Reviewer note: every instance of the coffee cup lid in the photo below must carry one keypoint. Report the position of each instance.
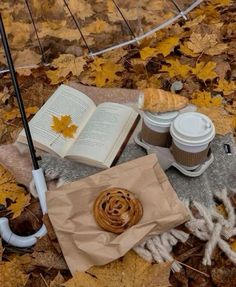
(162, 119)
(192, 128)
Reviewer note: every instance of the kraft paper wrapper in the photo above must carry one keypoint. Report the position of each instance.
(83, 242)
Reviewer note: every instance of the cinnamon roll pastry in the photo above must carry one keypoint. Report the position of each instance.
(117, 209)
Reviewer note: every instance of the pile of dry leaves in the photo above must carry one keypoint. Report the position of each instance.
(196, 58)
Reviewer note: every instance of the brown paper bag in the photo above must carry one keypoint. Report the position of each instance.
(83, 242)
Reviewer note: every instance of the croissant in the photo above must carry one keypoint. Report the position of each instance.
(117, 209)
(160, 101)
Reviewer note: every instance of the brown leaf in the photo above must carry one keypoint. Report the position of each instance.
(29, 221)
(4, 95)
(81, 8)
(26, 58)
(231, 108)
(50, 230)
(1, 250)
(49, 259)
(206, 44)
(51, 234)
(223, 276)
(222, 69)
(57, 281)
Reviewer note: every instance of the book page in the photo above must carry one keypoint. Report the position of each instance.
(101, 132)
(64, 101)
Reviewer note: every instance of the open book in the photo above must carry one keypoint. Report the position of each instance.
(101, 134)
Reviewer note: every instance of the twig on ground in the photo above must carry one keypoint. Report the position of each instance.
(194, 269)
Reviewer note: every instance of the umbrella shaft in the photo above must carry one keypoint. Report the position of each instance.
(18, 94)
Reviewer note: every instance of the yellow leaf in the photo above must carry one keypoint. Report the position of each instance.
(10, 190)
(132, 271)
(233, 245)
(147, 52)
(186, 51)
(176, 68)
(221, 209)
(64, 126)
(205, 71)
(166, 46)
(104, 71)
(226, 87)
(223, 122)
(209, 11)
(20, 203)
(65, 64)
(221, 2)
(31, 111)
(11, 274)
(195, 21)
(204, 99)
(15, 113)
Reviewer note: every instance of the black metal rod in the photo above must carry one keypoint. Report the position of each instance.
(123, 16)
(36, 32)
(176, 6)
(18, 94)
(77, 26)
(179, 9)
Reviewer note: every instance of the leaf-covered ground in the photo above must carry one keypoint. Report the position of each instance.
(197, 58)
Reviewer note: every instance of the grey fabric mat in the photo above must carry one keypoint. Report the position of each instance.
(221, 173)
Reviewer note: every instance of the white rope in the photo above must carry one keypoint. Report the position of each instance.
(158, 248)
(212, 226)
(207, 224)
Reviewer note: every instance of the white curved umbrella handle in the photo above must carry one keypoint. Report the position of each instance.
(27, 241)
(16, 240)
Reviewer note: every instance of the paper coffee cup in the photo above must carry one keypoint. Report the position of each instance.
(192, 134)
(156, 128)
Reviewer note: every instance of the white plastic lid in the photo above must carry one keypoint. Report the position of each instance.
(160, 119)
(192, 128)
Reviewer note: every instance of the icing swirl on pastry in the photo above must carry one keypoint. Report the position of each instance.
(117, 209)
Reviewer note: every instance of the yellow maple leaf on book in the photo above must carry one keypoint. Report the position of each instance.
(64, 126)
